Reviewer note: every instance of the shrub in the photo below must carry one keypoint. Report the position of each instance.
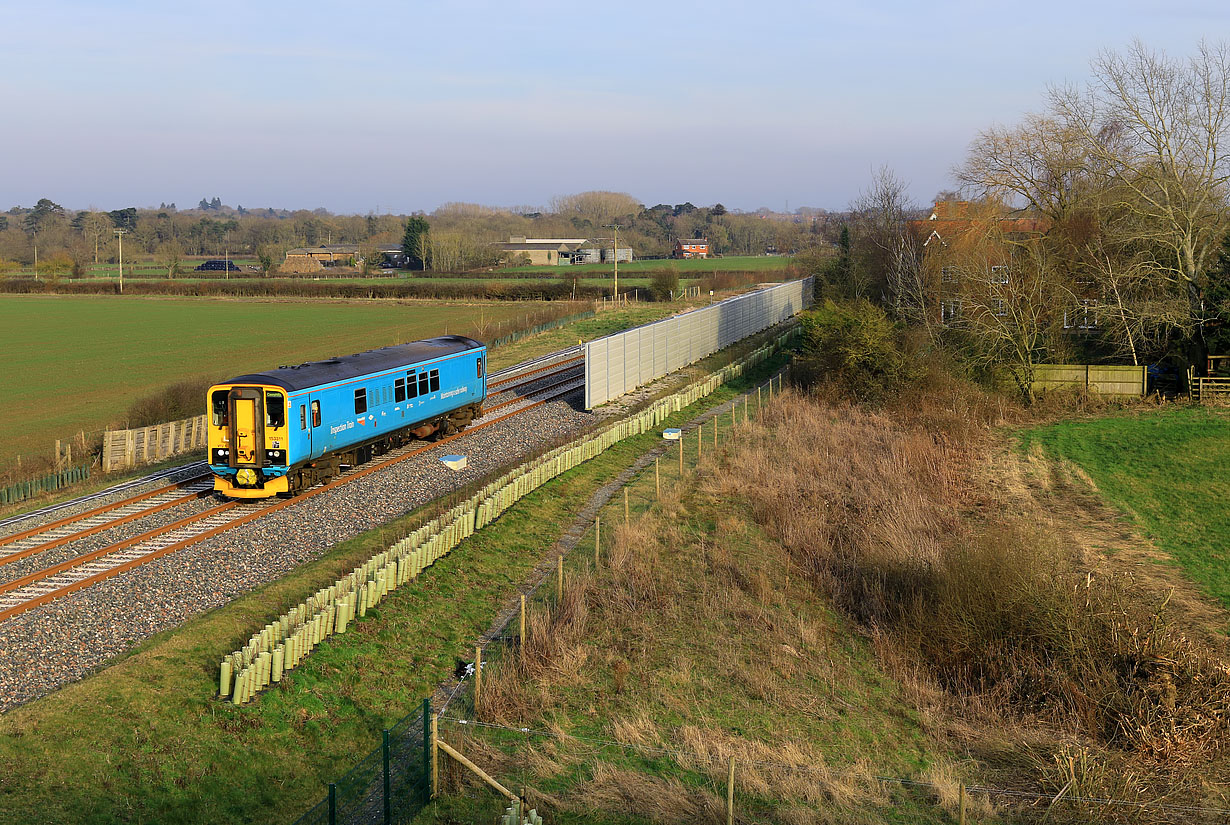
(665, 284)
(855, 346)
(185, 399)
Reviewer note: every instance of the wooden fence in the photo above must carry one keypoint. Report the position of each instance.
(127, 448)
(1092, 378)
(1208, 389)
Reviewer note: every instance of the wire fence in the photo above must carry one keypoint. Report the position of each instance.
(389, 785)
(634, 491)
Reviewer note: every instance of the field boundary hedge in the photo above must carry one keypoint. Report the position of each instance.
(283, 643)
(285, 288)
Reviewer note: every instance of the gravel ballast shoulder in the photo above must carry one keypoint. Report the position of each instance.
(58, 643)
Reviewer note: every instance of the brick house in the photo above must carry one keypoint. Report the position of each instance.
(691, 248)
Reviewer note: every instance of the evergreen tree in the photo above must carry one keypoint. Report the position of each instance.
(412, 242)
(1217, 303)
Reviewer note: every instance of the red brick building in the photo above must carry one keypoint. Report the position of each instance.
(691, 248)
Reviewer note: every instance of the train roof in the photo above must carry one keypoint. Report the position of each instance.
(317, 373)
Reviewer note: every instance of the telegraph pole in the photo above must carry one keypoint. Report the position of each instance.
(615, 249)
(119, 233)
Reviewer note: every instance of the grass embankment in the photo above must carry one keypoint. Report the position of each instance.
(697, 639)
(1167, 469)
(145, 741)
(1054, 673)
(77, 363)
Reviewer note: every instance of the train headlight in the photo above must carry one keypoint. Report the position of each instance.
(246, 478)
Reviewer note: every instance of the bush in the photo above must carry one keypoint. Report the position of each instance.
(665, 285)
(855, 346)
(174, 403)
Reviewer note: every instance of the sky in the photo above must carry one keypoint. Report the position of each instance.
(395, 107)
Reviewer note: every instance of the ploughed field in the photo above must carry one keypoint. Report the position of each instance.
(75, 363)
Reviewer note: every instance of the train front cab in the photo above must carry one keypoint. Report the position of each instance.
(249, 440)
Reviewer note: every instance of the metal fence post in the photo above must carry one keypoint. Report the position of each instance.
(429, 747)
(388, 781)
(332, 803)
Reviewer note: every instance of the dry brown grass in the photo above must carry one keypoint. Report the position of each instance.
(997, 610)
(1066, 673)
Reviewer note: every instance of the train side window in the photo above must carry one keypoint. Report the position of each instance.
(412, 385)
(360, 400)
(303, 416)
(275, 409)
(399, 390)
(423, 384)
(315, 413)
(480, 368)
(435, 380)
(219, 405)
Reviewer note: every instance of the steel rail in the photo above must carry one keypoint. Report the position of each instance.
(491, 385)
(26, 552)
(110, 491)
(533, 361)
(97, 511)
(52, 595)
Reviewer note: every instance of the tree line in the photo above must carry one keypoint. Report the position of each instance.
(1093, 230)
(461, 236)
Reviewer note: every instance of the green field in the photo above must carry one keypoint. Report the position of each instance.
(1167, 469)
(78, 362)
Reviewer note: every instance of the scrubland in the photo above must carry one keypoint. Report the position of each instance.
(849, 596)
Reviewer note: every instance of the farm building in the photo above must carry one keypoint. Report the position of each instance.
(315, 258)
(560, 251)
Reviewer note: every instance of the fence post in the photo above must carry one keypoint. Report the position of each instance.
(332, 803)
(681, 456)
(430, 769)
(522, 646)
(478, 676)
(597, 538)
(388, 780)
(559, 584)
(961, 808)
(730, 794)
(625, 506)
(657, 477)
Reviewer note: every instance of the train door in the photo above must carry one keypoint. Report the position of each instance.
(247, 427)
(305, 432)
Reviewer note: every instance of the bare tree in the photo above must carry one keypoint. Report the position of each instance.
(884, 251)
(1040, 165)
(1007, 302)
(97, 227)
(1160, 128)
(596, 207)
(169, 256)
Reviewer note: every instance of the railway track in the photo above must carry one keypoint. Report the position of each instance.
(56, 581)
(64, 531)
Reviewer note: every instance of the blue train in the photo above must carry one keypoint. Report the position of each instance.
(282, 431)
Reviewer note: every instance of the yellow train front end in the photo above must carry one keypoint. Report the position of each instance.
(249, 440)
